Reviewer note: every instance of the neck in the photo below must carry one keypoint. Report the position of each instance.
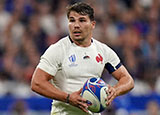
(82, 42)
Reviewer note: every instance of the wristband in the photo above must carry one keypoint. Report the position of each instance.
(67, 99)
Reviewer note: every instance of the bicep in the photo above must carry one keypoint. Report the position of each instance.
(40, 76)
(120, 73)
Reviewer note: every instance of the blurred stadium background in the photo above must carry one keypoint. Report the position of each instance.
(130, 27)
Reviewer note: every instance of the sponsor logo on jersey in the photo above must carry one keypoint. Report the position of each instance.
(86, 57)
(72, 60)
(99, 58)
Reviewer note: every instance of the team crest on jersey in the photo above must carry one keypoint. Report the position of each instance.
(72, 60)
(99, 58)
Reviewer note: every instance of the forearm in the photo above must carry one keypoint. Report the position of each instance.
(48, 90)
(41, 85)
(123, 86)
(125, 81)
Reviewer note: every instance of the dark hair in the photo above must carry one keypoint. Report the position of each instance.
(81, 8)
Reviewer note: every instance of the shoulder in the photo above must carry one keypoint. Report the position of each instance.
(107, 51)
(63, 43)
(58, 48)
(101, 45)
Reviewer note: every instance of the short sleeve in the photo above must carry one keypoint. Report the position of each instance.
(112, 62)
(51, 59)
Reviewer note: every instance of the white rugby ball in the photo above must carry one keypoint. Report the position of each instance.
(94, 91)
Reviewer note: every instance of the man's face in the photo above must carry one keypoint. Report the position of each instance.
(80, 26)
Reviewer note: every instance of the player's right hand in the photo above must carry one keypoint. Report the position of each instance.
(76, 100)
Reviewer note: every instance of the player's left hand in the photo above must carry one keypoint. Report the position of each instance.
(111, 95)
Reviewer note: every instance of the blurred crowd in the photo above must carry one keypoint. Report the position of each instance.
(28, 27)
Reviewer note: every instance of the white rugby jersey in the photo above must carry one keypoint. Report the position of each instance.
(72, 65)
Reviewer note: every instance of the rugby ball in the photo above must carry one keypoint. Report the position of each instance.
(94, 91)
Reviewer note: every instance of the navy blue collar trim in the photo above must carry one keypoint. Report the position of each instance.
(92, 40)
(70, 39)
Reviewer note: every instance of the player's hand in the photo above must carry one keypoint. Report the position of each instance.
(76, 100)
(111, 95)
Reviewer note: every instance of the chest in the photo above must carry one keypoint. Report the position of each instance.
(83, 62)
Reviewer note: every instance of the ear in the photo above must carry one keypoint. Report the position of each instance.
(93, 24)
